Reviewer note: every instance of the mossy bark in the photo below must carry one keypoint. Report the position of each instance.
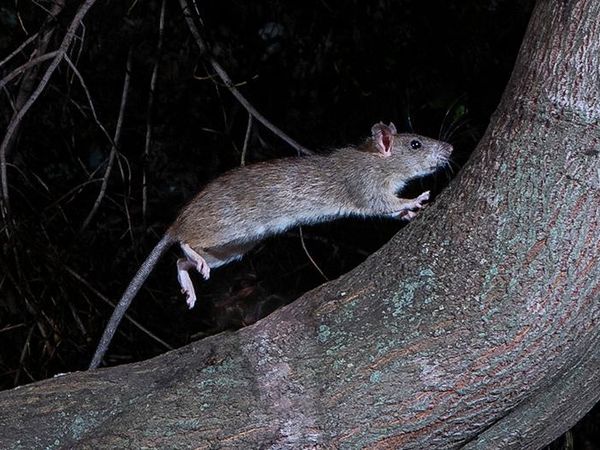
(476, 325)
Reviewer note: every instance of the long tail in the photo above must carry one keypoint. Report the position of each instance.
(128, 296)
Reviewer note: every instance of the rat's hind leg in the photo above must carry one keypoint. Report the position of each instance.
(183, 275)
(203, 261)
(224, 254)
(192, 260)
(200, 263)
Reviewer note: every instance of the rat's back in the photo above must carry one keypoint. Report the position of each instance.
(262, 199)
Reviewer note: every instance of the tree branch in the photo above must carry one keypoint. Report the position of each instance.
(18, 117)
(148, 140)
(116, 139)
(16, 51)
(134, 322)
(230, 85)
(24, 67)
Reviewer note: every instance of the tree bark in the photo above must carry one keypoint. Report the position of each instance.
(476, 326)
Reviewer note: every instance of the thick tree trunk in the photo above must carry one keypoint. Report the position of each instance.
(476, 325)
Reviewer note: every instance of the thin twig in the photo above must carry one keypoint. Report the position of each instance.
(79, 50)
(133, 5)
(129, 221)
(246, 140)
(42, 7)
(19, 70)
(77, 189)
(23, 353)
(107, 301)
(197, 12)
(161, 26)
(78, 320)
(27, 83)
(43, 41)
(16, 120)
(21, 20)
(89, 99)
(10, 100)
(12, 327)
(126, 177)
(231, 86)
(310, 257)
(116, 139)
(19, 49)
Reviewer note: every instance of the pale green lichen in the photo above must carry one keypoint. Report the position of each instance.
(426, 273)
(221, 374)
(405, 296)
(493, 272)
(375, 377)
(383, 348)
(339, 364)
(324, 333)
(78, 428)
(226, 364)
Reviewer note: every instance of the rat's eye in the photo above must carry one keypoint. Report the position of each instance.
(415, 144)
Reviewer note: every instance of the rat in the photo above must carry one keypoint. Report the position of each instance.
(245, 205)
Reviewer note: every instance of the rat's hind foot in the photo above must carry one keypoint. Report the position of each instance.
(201, 265)
(417, 203)
(192, 260)
(187, 288)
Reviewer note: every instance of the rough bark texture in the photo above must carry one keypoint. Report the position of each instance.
(476, 325)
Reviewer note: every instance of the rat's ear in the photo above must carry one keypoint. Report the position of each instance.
(383, 137)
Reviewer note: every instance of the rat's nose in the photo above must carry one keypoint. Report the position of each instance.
(448, 148)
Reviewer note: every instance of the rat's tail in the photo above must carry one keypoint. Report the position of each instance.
(130, 292)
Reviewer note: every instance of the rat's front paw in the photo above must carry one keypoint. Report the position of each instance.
(405, 214)
(411, 208)
(409, 215)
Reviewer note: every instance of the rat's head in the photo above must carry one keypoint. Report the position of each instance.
(417, 154)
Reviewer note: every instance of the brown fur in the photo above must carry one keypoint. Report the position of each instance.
(252, 202)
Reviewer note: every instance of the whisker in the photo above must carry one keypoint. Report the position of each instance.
(455, 126)
(410, 125)
(448, 111)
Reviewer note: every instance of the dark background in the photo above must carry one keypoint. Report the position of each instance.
(323, 71)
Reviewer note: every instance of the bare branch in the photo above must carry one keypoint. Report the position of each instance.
(314, 263)
(15, 122)
(108, 302)
(231, 86)
(89, 99)
(79, 50)
(161, 26)
(246, 139)
(117, 137)
(19, 70)
(19, 49)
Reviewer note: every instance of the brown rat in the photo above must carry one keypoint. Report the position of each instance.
(235, 211)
